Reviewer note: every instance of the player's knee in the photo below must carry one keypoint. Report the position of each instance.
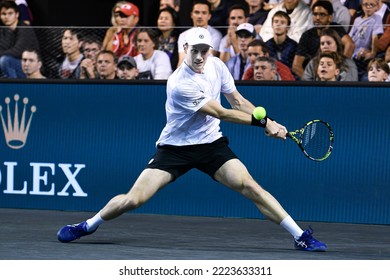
(132, 202)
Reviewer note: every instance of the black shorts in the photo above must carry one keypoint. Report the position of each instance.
(177, 160)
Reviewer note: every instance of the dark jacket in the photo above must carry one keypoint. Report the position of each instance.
(14, 42)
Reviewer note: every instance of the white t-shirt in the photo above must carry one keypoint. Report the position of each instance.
(158, 67)
(187, 92)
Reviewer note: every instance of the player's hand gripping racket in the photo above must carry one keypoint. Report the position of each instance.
(315, 139)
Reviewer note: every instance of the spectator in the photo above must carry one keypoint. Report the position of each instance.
(167, 20)
(32, 64)
(384, 39)
(258, 48)
(264, 69)
(340, 14)
(364, 33)
(175, 4)
(309, 44)
(71, 44)
(106, 64)
(387, 55)
(200, 15)
(15, 37)
(378, 70)
(127, 68)
(328, 67)
(300, 15)
(25, 15)
(353, 6)
(228, 46)
(257, 13)
(87, 68)
(152, 64)
(330, 42)
(240, 62)
(120, 37)
(282, 47)
(219, 12)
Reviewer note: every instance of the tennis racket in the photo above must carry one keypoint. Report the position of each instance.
(315, 139)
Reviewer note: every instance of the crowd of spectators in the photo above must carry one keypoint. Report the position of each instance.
(308, 40)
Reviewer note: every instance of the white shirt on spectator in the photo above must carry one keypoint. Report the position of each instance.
(159, 65)
(301, 21)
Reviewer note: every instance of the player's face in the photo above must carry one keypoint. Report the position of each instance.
(196, 56)
(262, 71)
(327, 69)
(280, 25)
(328, 44)
(377, 74)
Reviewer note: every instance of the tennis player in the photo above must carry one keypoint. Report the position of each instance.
(192, 139)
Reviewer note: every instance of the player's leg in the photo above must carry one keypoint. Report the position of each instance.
(235, 175)
(147, 184)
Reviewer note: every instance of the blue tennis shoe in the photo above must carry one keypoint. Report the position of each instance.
(308, 243)
(72, 232)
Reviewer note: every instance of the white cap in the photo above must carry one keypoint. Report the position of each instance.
(198, 35)
(246, 27)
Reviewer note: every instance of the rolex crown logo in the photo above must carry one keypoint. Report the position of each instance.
(16, 131)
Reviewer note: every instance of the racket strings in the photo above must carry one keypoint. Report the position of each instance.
(316, 140)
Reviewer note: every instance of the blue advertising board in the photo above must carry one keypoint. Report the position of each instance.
(72, 146)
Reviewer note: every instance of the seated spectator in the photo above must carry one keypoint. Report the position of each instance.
(175, 4)
(264, 69)
(167, 20)
(86, 69)
(152, 64)
(353, 6)
(200, 15)
(32, 64)
(340, 14)
(106, 65)
(240, 62)
(25, 15)
(15, 37)
(282, 47)
(387, 55)
(71, 44)
(120, 37)
(257, 13)
(378, 70)
(127, 68)
(328, 67)
(258, 48)
(384, 39)
(309, 44)
(300, 15)
(364, 33)
(228, 47)
(330, 42)
(219, 12)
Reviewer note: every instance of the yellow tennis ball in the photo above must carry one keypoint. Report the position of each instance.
(259, 113)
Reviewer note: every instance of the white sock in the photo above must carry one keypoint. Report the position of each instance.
(291, 226)
(94, 222)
